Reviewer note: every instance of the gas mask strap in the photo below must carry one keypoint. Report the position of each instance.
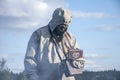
(68, 42)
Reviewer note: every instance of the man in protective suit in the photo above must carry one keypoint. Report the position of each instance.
(42, 61)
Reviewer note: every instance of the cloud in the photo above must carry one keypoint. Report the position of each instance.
(94, 56)
(16, 67)
(14, 61)
(5, 56)
(81, 14)
(92, 62)
(94, 65)
(27, 14)
(108, 27)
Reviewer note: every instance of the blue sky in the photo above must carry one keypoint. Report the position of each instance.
(95, 24)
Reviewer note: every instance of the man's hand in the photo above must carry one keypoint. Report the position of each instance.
(79, 63)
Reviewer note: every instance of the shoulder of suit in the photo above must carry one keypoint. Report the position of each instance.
(43, 31)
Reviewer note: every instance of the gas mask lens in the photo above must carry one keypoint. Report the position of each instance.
(62, 28)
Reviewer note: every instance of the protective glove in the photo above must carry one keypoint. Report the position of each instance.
(79, 63)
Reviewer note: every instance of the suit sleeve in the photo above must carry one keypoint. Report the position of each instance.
(30, 62)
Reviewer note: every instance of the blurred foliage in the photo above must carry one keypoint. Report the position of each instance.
(99, 75)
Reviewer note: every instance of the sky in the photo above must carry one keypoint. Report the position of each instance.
(95, 25)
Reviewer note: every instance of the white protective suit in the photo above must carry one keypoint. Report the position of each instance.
(42, 60)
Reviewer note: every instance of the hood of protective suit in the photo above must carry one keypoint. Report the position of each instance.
(60, 16)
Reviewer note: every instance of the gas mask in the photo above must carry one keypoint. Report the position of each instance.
(59, 31)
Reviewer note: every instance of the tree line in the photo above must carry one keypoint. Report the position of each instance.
(6, 74)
